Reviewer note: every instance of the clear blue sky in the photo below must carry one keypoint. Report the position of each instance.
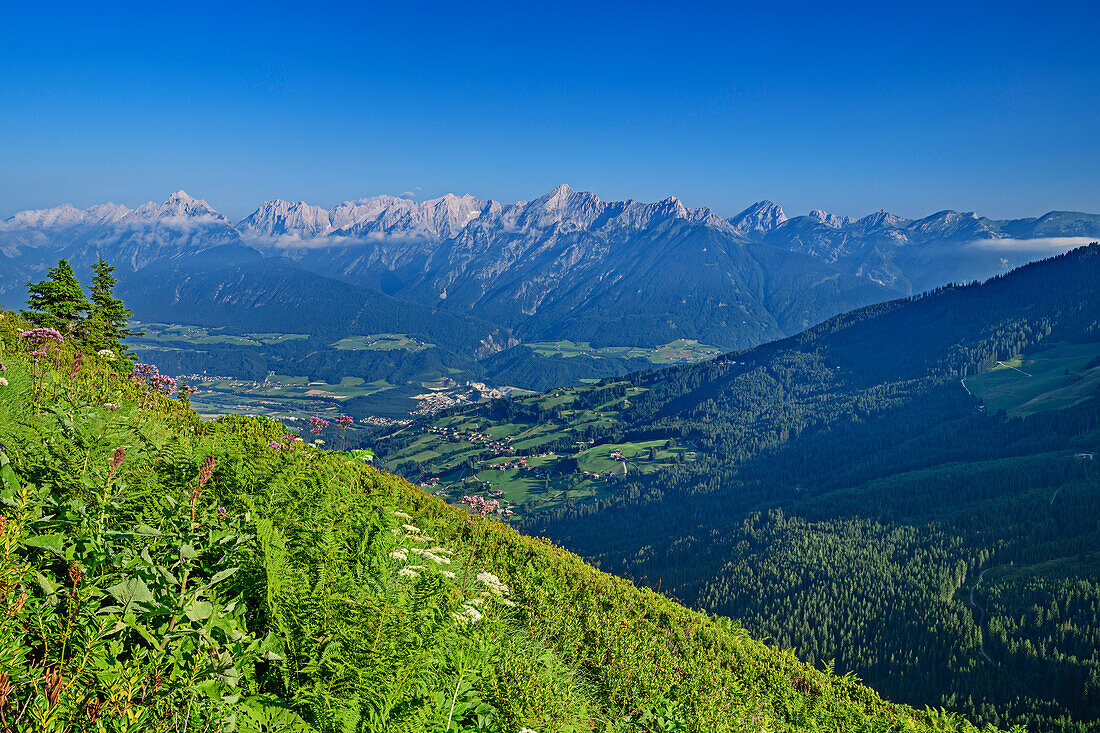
(973, 106)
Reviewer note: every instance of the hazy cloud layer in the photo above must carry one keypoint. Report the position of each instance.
(1046, 244)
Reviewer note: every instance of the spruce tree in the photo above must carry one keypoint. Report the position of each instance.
(58, 301)
(106, 326)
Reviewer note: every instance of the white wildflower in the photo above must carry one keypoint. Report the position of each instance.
(395, 532)
(400, 554)
(429, 555)
(111, 405)
(410, 528)
(441, 550)
(408, 572)
(476, 601)
(527, 730)
(506, 602)
(401, 515)
(493, 583)
(447, 574)
(106, 354)
(318, 442)
(3, 382)
(468, 615)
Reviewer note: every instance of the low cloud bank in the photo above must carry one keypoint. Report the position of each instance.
(325, 241)
(1044, 244)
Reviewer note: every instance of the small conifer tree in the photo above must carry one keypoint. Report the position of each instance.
(107, 325)
(58, 301)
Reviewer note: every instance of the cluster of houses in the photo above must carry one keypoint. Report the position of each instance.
(468, 394)
(497, 447)
(210, 379)
(518, 464)
(383, 422)
(433, 483)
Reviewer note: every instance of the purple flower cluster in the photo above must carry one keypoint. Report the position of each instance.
(317, 424)
(42, 335)
(150, 375)
(275, 444)
(344, 421)
(481, 505)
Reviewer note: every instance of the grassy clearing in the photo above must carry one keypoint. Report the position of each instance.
(160, 333)
(382, 342)
(1056, 377)
(677, 352)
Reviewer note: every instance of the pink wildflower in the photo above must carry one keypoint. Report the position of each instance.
(481, 505)
(151, 376)
(317, 424)
(42, 335)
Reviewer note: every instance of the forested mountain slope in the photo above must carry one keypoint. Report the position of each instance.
(162, 573)
(846, 491)
(851, 492)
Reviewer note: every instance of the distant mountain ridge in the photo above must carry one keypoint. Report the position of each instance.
(566, 264)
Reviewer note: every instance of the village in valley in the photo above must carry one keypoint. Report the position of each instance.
(530, 452)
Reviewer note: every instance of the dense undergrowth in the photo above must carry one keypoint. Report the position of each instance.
(158, 572)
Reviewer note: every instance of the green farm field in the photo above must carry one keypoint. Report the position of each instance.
(681, 351)
(382, 342)
(159, 333)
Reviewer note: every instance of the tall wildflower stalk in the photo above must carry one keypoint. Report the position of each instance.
(481, 507)
(344, 422)
(40, 340)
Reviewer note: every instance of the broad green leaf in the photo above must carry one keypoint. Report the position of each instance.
(9, 483)
(47, 541)
(132, 590)
(222, 575)
(49, 587)
(199, 610)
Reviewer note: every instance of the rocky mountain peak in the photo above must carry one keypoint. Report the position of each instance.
(179, 205)
(758, 219)
(833, 220)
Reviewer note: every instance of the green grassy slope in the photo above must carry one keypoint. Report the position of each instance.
(161, 573)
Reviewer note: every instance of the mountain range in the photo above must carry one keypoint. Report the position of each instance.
(565, 265)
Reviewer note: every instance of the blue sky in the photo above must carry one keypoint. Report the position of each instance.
(972, 106)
